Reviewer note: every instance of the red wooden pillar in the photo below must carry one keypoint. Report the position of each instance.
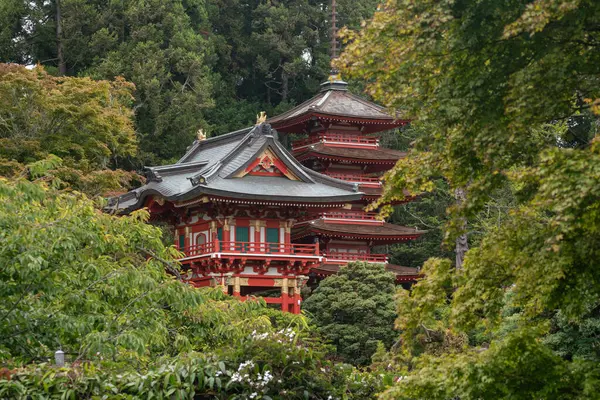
(236, 286)
(297, 299)
(226, 235)
(285, 297)
(288, 232)
(188, 242)
(257, 244)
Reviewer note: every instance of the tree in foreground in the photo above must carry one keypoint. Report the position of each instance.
(87, 123)
(96, 287)
(509, 90)
(354, 310)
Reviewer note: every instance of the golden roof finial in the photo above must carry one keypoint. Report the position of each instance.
(200, 135)
(261, 118)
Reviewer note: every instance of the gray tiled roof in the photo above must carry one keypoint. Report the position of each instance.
(375, 232)
(335, 100)
(209, 168)
(371, 154)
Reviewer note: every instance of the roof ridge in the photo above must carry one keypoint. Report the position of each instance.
(339, 183)
(176, 166)
(280, 151)
(368, 103)
(285, 113)
(213, 169)
(197, 144)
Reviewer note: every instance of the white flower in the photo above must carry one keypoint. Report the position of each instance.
(253, 395)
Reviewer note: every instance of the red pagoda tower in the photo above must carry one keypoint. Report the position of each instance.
(341, 142)
(231, 202)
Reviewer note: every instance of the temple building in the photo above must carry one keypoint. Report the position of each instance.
(253, 218)
(341, 143)
(232, 201)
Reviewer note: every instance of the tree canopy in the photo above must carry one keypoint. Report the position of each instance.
(195, 65)
(354, 310)
(96, 286)
(508, 91)
(86, 123)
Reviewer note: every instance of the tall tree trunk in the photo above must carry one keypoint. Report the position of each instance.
(462, 243)
(62, 66)
(284, 86)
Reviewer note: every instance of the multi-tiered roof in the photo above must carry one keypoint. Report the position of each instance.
(248, 166)
(341, 143)
(232, 201)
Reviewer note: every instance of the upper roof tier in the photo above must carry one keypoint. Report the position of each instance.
(246, 165)
(336, 104)
(379, 155)
(377, 233)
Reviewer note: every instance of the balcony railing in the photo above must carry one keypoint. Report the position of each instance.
(349, 217)
(337, 139)
(345, 257)
(371, 181)
(251, 248)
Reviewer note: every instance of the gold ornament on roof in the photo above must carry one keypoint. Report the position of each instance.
(261, 118)
(200, 135)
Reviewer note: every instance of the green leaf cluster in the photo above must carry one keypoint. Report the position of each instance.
(354, 310)
(508, 92)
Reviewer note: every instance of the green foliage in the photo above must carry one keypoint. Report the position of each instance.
(75, 278)
(427, 213)
(88, 124)
(531, 371)
(195, 64)
(448, 66)
(193, 375)
(508, 92)
(95, 285)
(354, 310)
(161, 47)
(575, 339)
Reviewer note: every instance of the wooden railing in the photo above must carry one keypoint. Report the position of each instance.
(370, 180)
(346, 217)
(251, 248)
(363, 216)
(375, 258)
(337, 138)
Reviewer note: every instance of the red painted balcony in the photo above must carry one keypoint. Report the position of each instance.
(368, 181)
(337, 140)
(352, 217)
(219, 248)
(342, 258)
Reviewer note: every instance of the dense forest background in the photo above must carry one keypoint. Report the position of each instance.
(502, 152)
(210, 65)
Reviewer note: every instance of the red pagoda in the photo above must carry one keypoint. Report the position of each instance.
(232, 201)
(341, 143)
(256, 220)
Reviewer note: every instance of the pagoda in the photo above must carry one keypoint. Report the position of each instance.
(340, 141)
(231, 202)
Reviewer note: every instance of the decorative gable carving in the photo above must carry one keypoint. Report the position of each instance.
(267, 164)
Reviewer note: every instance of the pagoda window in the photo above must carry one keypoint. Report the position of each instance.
(220, 238)
(181, 242)
(242, 236)
(273, 237)
(201, 239)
